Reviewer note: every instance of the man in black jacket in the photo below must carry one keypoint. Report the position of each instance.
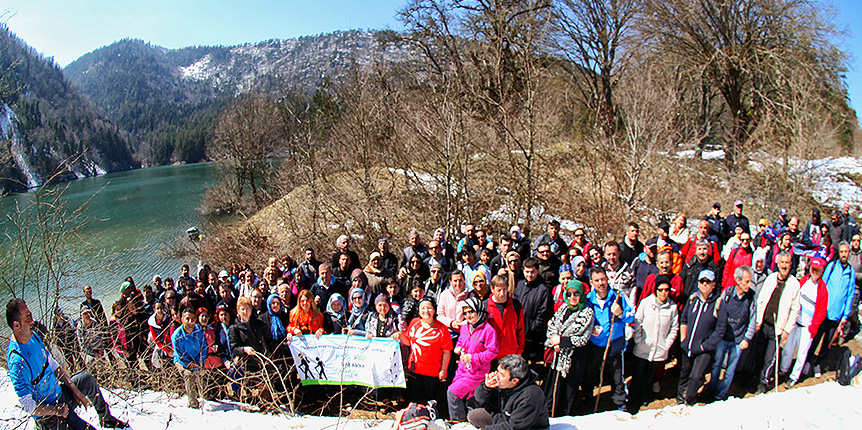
(536, 298)
(510, 399)
(700, 262)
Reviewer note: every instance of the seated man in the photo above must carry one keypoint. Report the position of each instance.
(190, 351)
(37, 378)
(510, 398)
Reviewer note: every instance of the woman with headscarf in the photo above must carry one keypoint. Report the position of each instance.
(305, 318)
(376, 273)
(358, 312)
(481, 289)
(384, 322)
(568, 332)
(477, 346)
(276, 320)
(335, 320)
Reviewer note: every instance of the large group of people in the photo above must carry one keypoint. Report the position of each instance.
(480, 319)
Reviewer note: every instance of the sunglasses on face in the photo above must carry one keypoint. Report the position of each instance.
(512, 261)
(573, 294)
(662, 290)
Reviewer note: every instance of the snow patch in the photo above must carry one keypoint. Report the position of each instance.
(10, 131)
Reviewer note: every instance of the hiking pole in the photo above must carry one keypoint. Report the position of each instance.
(556, 383)
(605, 358)
(777, 343)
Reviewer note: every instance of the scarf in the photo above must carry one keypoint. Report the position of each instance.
(335, 297)
(576, 285)
(275, 327)
(478, 306)
(356, 311)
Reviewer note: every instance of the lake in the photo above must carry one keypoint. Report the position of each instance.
(133, 215)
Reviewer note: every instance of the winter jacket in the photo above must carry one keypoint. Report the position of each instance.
(692, 270)
(377, 328)
(628, 253)
(788, 304)
(656, 327)
(733, 221)
(741, 315)
(481, 344)
(248, 334)
(160, 334)
(522, 407)
(738, 257)
(812, 310)
(189, 347)
(855, 260)
(216, 353)
(704, 329)
(841, 282)
(676, 290)
(602, 313)
(641, 269)
(278, 347)
(448, 310)
(574, 329)
(690, 248)
(536, 300)
(509, 326)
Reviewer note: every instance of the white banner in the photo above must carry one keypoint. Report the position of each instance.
(340, 359)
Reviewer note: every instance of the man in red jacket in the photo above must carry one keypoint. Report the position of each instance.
(507, 317)
(688, 250)
(814, 300)
(663, 262)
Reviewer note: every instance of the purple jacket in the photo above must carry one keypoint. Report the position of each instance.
(483, 347)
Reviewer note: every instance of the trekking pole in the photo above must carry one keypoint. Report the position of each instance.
(777, 344)
(556, 383)
(604, 359)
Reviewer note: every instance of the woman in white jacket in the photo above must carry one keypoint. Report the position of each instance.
(656, 328)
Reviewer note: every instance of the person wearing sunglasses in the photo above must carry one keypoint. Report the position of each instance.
(656, 328)
(568, 334)
(477, 346)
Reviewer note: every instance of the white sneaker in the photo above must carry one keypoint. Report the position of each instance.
(656, 387)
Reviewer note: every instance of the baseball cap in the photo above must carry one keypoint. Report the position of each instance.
(706, 274)
(817, 263)
(737, 203)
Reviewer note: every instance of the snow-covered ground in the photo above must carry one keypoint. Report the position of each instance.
(824, 406)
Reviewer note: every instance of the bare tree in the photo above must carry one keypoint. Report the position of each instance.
(247, 135)
(744, 50)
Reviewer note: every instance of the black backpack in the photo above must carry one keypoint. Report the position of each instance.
(848, 367)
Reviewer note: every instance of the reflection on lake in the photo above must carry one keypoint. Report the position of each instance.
(132, 216)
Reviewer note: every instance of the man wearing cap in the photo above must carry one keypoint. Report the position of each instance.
(553, 239)
(738, 309)
(813, 301)
(777, 312)
(717, 223)
(781, 223)
(700, 330)
(760, 239)
(840, 278)
(389, 260)
(737, 218)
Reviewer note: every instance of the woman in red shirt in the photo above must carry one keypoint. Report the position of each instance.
(430, 351)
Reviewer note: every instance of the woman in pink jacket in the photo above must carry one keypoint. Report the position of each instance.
(477, 346)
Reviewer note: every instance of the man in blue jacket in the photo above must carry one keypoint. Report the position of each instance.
(840, 278)
(190, 347)
(44, 389)
(700, 330)
(611, 309)
(738, 309)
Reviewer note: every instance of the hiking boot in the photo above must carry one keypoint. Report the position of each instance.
(817, 372)
(111, 422)
(656, 387)
(762, 388)
(789, 384)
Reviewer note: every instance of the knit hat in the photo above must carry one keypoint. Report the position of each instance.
(382, 298)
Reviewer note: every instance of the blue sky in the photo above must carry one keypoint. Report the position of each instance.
(66, 29)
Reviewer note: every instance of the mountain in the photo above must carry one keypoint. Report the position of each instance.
(49, 129)
(168, 99)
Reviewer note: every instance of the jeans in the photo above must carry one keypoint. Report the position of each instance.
(732, 350)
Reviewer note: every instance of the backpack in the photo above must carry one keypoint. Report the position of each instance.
(415, 417)
(848, 367)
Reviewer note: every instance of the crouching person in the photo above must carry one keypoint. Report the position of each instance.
(190, 351)
(510, 399)
(43, 387)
